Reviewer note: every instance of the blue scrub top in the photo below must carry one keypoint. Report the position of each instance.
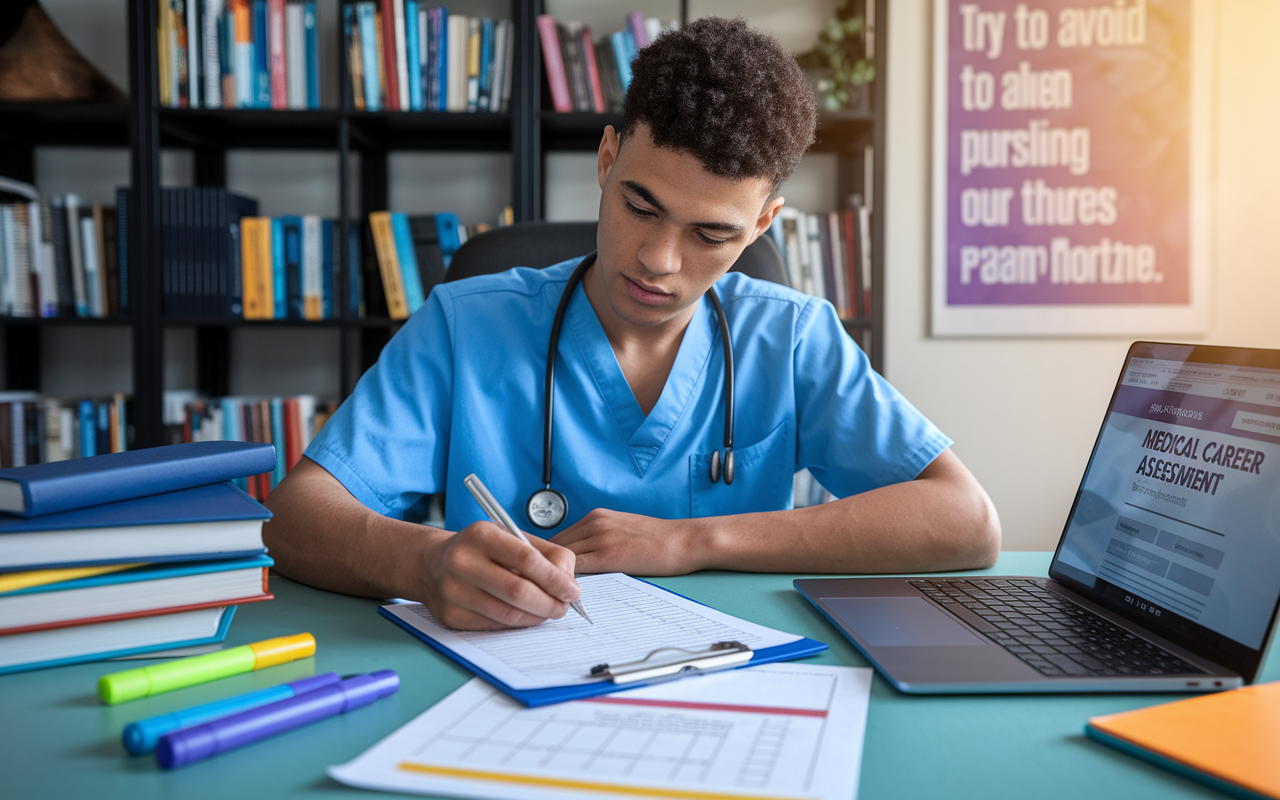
(459, 389)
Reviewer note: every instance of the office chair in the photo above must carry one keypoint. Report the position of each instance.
(541, 244)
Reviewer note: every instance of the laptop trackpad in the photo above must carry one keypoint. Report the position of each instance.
(899, 621)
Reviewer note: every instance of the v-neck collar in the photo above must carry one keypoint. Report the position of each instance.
(644, 435)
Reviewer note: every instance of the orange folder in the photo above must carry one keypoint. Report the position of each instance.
(1230, 740)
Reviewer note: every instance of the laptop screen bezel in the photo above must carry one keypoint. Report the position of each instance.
(1202, 641)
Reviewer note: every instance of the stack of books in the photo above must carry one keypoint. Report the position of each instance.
(238, 54)
(129, 553)
(403, 56)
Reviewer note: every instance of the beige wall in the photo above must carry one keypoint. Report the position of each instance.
(1024, 412)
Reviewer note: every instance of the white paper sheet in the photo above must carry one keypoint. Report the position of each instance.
(772, 731)
(631, 619)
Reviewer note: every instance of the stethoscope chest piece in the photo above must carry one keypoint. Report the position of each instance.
(546, 508)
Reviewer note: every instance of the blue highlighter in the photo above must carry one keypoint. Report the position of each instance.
(142, 736)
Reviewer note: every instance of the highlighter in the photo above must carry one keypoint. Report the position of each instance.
(203, 741)
(133, 684)
(142, 736)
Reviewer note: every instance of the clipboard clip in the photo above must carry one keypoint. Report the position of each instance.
(720, 655)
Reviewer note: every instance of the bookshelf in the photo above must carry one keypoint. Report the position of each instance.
(528, 132)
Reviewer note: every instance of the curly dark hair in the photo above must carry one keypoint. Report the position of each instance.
(728, 95)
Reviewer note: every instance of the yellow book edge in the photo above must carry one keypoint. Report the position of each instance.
(384, 244)
(1232, 737)
(14, 581)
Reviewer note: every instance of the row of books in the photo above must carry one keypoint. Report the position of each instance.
(40, 430)
(585, 74)
(147, 552)
(403, 56)
(60, 256)
(828, 255)
(288, 423)
(238, 54)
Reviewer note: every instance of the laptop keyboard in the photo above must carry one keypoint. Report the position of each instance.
(1049, 632)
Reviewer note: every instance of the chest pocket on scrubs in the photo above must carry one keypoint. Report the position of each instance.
(762, 481)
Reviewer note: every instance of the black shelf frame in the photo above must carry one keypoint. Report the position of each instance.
(528, 131)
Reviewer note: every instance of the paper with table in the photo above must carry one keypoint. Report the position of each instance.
(773, 731)
(551, 662)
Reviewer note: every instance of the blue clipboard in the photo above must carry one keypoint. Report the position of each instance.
(534, 698)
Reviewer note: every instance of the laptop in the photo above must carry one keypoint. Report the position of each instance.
(1167, 575)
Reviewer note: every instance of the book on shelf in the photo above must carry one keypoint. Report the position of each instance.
(402, 55)
(238, 54)
(828, 256)
(59, 256)
(37, 430)
(413, 252)
(288, 423)
(587, 74)
(144, 590)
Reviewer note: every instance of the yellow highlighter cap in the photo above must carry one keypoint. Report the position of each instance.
(127, 685)
(282, 650)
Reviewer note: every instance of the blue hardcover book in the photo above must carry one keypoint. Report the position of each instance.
(88, 429)
(312, 36)
(408, 262)
(41, 489)
(103, 416)
(278, 284)
(439, 69)
(447, 226)
(624, 49)
(261, 56)
(369, 55)
(413, 54)
(534, 698)
(204, 522)
(355, 279)
(328, 257)
(291, 230)
(277, 437)
(127, 637)
(483, 102)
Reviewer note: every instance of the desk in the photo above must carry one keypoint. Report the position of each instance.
(57, 740)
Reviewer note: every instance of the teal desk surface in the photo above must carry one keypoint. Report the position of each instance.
(57, 740)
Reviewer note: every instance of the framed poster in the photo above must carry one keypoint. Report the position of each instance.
(1070, 167)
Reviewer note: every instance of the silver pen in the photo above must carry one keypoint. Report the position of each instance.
(499, 515)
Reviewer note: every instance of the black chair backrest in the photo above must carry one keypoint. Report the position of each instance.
(541, 244)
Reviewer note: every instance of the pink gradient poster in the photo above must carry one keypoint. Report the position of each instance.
(1068, 183)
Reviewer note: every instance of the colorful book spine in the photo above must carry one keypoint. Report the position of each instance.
(388, 264)
(279, 283)
(311, 33)
(369, 54)
(413, 56)
(408, 261)
(553, 59)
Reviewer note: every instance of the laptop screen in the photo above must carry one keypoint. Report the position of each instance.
(1177, 521)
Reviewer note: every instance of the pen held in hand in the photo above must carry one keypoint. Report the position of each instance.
(499, 515)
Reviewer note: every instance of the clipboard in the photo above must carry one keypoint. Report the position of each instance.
(534, 698)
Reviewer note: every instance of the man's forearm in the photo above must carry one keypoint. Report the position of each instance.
(943, 520)
(324, 537)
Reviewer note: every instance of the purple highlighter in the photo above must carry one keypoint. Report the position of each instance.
(202, 741)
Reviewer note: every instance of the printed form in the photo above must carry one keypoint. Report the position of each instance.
(772, 732)
(632, 618)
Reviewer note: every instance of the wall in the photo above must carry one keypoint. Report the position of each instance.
(1025, 412)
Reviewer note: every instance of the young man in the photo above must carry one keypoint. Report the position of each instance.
(717, 117)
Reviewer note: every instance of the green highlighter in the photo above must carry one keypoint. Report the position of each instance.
(133, 684)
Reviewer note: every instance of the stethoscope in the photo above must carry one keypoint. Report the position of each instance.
(547, 507)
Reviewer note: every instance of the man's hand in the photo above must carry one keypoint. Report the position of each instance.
(469, 583)
(614, 541)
